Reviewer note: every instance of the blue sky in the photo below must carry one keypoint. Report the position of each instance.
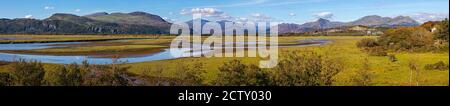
(293, 11)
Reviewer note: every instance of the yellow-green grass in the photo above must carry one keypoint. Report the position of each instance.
(100, 51)
(385, 73)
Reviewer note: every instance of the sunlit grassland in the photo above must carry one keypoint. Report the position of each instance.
(384, 72)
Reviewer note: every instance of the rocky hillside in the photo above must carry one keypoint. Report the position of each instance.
(370, 21)
(99, 23)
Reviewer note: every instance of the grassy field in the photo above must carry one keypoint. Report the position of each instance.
(384, 72)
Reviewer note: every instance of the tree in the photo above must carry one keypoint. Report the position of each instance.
(442, 30)
(408, 38)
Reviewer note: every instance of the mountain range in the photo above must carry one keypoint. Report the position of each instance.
(97, 23)
(370, 21)
(146, 23)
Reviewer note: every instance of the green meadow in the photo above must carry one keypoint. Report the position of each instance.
(383, 72)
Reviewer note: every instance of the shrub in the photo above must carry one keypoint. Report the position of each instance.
(108, 75)
(367, 42)
(55, 76)
(408, 38)
(192, 74)
(5, 79)
(67, 75)
(305, 69)
(437, 66)
(377, 51)
(235, 73)
(442, 31)
(27, 73)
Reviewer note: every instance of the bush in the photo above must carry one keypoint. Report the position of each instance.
(367, 42)
(408, 38)
(442, 31)
(192, 74)
(27, 73)
(108, 75)
(235, 73)
(377, 51)
(55, 76)
(5, 79)
(67, 75)
(437, 66)
(305, 69)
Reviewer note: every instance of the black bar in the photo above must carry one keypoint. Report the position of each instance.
(279, 95)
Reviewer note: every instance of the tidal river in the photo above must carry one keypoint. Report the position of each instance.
(163, 55)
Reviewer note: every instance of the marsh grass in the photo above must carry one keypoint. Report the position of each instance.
(384, 72)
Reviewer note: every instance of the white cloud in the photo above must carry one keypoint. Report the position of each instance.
(28, 16)
(49, 7)
(259, 17)
(324, 15)
(292, 14)
(216, 14)
(207, 12)
(291, 2)
(168, 19)
(425, 17)
(77, 10)
(240, 4)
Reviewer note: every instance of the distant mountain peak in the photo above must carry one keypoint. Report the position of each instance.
(372, 16)
(64, 16)
(133, 18)
(139, 13)
(322, 20)
(402, 17)
(378, 21)
(97, 14)
(370, 21)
